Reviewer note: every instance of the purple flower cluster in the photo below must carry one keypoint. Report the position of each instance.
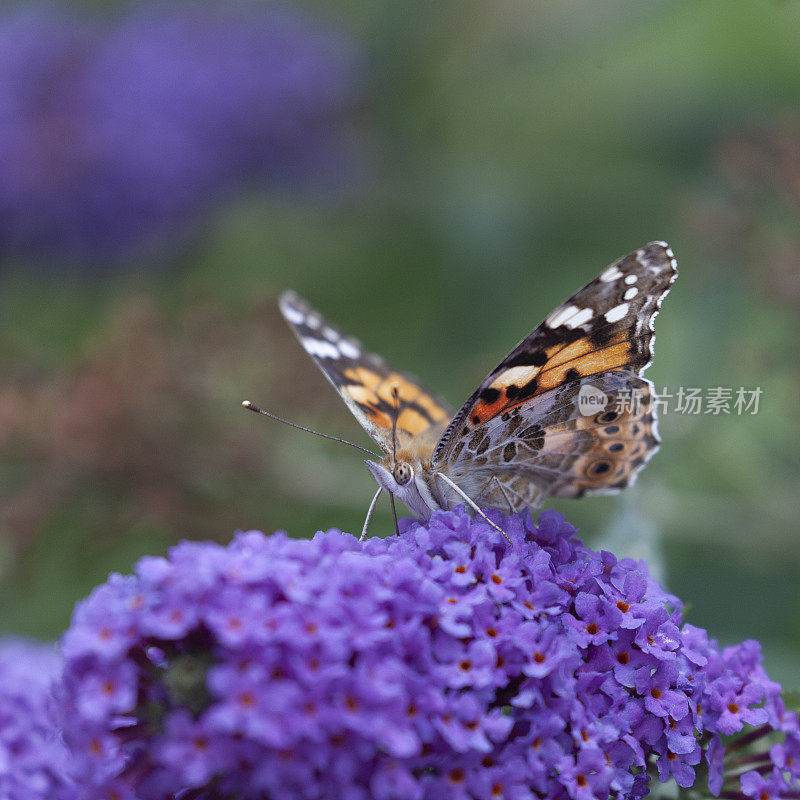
(116, 136)
(438, 664)
(32, 757)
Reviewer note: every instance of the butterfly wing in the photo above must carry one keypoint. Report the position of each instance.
(603, 337)
(557, 444)
(364, 381)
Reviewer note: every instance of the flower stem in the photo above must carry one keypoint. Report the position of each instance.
(748, 738)
(748, 758)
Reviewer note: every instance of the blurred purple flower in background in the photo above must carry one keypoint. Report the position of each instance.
(117, 135)
(33, 758)
(437, 664)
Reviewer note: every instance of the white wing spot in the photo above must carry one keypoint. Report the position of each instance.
(514, 376)
(313, 321)
(582, 316)
(631, 293)
(559, 317)
(293, 315)
(617, 313)
(330, 334)
(320, 348)
(629, 279)
(348, 349)
(611, 274)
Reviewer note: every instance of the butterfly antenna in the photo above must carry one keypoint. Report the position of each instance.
(472, 503)
(253, 407)
(396, 395)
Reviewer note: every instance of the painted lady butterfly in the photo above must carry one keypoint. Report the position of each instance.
(525, 433)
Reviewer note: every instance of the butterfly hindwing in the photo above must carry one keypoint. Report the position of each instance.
(556, 445)
(607, 325)
(364, 381)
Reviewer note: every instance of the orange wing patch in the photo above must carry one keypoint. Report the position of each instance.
(375, 396)
(561, 364)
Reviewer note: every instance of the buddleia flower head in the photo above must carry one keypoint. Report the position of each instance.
(440, 663)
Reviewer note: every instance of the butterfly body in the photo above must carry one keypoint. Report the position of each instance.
(547, 421)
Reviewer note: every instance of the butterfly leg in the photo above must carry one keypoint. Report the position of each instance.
(394, 514)
(504, 493)
(369, 514)
(472, 503)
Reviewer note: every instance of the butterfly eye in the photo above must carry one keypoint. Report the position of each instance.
(402, 473)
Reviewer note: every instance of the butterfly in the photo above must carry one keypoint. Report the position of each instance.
(566, 413)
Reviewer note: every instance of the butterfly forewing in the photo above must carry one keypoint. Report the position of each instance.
(364, 381)
(607, 325)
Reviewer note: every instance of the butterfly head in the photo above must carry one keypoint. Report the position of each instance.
(405, 479)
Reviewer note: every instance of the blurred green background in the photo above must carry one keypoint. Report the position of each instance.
(491, 158)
